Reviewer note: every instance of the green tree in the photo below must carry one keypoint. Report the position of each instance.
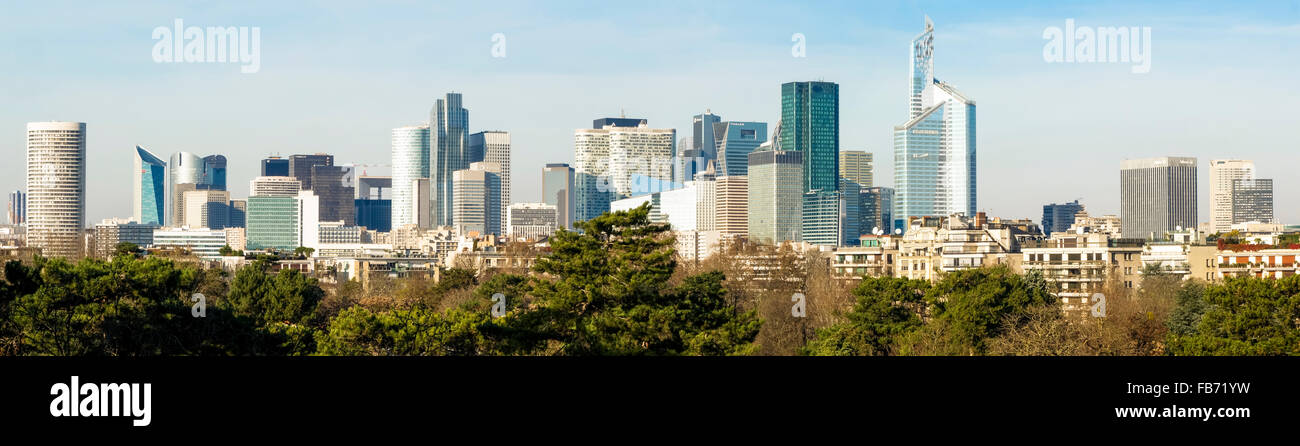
(1246, 316)
(286, 297)
(886, 308)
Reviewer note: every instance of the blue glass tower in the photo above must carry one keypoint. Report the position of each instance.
(149, 187)
(810, 120)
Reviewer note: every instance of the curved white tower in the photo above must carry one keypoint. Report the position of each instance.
(56, 187)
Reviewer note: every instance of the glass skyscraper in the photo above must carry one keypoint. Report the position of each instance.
(736, 139)
(410, 163)
(148, 188)
(275, 167)
(934, 152)
(557, 190)
(449, 149)
(775, 196)
(810, 116)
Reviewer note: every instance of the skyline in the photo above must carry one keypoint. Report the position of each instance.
(341, 90)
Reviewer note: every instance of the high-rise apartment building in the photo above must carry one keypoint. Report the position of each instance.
(557, 190)
(148, 187)
(56, 187)
(1222, 175)
(1157, 195)
(855, 166)
(775, 196)
(1252, 200)
(494, 147)
(934, 151)
(810, 120)
(410, 163)
(477, 194)
(449, 152)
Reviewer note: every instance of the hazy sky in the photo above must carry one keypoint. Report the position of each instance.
(336, 77)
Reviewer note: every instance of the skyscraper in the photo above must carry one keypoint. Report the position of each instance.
(56, 187)
(1157, 195)
(557, 190)
(335, 187)
(448, 147)
(1059, 217)
(214, 172)
(1252, 200)
(274, 166)
(283, 223)
(206, 209)
(877, 209)
(775, 196)
(494, 147)
(615, 162)
(703, 146)
(827, 220)
(410, 163)
(300, 167)
(855, 166)
(17, 207)
(934, 151)
(277, 186)
(1222, 174)
(731, 205)
(810, 116)
(477, 194)
(148, 188)
(736, 139)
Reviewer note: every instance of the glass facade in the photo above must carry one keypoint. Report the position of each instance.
(557, 190)
(150, 187)
(810, 115)
(275, 167)
(736, 139)
(272, 223)
(775, 196)
(374, 214)
(449, 145)
(335, 187)
(410, 163)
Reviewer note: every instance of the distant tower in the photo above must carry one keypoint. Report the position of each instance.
(56, 187)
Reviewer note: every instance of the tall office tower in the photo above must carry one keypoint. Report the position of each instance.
(274, 166)
(206, 209)
(274, 187)
(1059, 217)
(706, 200)
(335, 187)
(1222, 174)
(421, 204)
(410, 162)
(775, 198)
(238, 214)
(731, 205)
(703, 145)
(557, 190)
(531, 221)
(214, 172)
(1252, 200)
(735, 140)
(934, 151)
(184, 173)
(878, 209)
(824, 218)
(810, 115)
(1157, 195)
(300, 167)
(618, 122)
(494, 147)
(283, 223)
(448, 146)
(851, 210)
(17, 207)
(148, 187)
(615, 162)
(855, 166)
(56, 187)
(477, 194)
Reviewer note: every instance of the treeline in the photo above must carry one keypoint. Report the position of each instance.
(616, 288)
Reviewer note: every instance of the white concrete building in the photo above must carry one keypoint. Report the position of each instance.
(56, 187)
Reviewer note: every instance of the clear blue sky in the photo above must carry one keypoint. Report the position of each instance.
(336, 77)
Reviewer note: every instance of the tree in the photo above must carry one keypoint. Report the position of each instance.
(605, 291)
(1245, 316)
(886, 309)
(286, 297)
(969, 307)
(127, 249)
(303, 252)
